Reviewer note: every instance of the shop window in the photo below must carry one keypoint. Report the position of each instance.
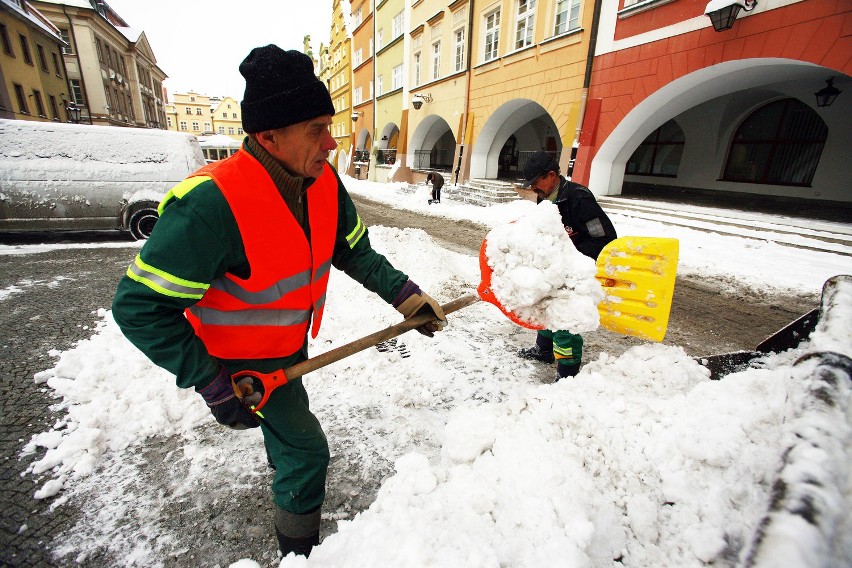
(779, 144)
(659, 154)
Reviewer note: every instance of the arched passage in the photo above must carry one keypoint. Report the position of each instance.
(432, 145)
(526, 126)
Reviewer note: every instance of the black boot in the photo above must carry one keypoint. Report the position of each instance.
(297, 533)
(563, 371)
(299, 546)
(541, 351)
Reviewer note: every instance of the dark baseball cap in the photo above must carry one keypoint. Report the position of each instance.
(537, 165)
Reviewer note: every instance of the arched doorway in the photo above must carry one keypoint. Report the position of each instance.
(531, 126)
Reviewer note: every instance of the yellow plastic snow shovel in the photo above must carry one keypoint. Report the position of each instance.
(637, 274)
(638, 278)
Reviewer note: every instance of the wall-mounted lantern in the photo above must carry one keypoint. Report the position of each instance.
(722, 13)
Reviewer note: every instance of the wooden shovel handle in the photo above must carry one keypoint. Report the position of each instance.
(368, 341)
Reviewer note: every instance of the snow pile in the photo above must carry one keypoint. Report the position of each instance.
(113, 398)
(641, 460)
(540, 276)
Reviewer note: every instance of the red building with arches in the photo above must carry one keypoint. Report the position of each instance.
(675, 106)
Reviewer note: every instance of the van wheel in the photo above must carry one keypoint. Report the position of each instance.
(142, 222)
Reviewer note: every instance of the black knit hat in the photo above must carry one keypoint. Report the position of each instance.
(281, 89)
(538, 164)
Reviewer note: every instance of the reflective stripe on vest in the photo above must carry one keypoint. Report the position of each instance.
(267, 314)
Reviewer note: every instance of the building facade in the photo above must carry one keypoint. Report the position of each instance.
(645, 94)
(33, 82)
(112, 73)
(361, 85)
(676, 106)
(227, 118)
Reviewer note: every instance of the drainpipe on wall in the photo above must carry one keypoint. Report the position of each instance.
(467, 87)
(587, 78)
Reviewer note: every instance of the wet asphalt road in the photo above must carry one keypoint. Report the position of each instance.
(60, 293)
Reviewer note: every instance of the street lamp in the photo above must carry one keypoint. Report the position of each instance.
(827, 94)
(418, 100)
(73, 112)
(722, 13)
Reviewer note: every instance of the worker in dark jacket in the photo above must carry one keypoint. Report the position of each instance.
(236, 273)
(437, 181)
(590, 230)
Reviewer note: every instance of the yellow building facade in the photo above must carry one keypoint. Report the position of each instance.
(33, 83)
(528, 64)
(391, 88)
(227, 118)
(337, 74)
(468, 88)
(193, 113)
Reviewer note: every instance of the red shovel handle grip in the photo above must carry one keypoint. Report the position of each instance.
(268, 381)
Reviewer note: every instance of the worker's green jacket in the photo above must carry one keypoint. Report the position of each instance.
(196, 240)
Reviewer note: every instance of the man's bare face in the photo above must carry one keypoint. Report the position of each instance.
(303, 147)
(544, 185)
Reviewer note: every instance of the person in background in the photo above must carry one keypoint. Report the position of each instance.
(590, 230)
(437, 181)
(236, 271)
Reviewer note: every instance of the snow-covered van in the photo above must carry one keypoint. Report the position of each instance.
(57, 176)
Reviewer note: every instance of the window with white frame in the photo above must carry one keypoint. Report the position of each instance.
(357, 96)
(357, 58)
(396, 26)
(380, 38)
(357, 18)
(459, 49)
(195, 126)
(436, 60)
(492, 35)
(182, 125)
(416, 66)
(397, 77)
(524, 23)
(567, 16)
(371, 88)
(380, 85)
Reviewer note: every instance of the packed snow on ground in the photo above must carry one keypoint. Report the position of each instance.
(640, 460)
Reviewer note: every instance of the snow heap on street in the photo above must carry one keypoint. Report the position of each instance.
(641, 460)
(540, 276)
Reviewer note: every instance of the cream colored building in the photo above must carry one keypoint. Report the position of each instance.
(32, 82)
(439, 80)
(391, 89)
(112, 71)
(193, 113)
(228, 118)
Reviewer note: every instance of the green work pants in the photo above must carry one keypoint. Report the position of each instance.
(567, 346)
(297, 447)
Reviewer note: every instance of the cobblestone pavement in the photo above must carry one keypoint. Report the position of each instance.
(60, 293)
